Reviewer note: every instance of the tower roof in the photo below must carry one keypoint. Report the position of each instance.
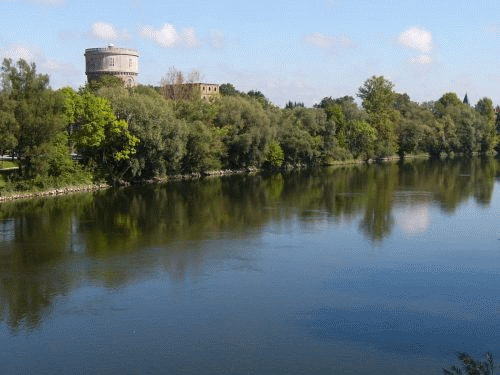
(466, 99)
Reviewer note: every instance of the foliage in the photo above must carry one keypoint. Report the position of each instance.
(100, 138)
(133, 134)
(31, 120)
(470, 366)
(292, 105)
(104, 81)
(274, 155)
(248, 131)
(204, 148)
(378, 99)
(175, 87)
(227, 89)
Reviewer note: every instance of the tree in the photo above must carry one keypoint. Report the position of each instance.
(378, 98)
(297, 134)
(448, 100)
(361, 139)
(106, 80)
(162, 136)
(9, 127)
(248, 130)
(486, 125)
(377, 95)
(30, 115)
(472, 367)
(21, 81)
(203, 148)
(274, 155)
(292, 105)
(100, 138)
(259, 97)
(176, 88)
(227, 89)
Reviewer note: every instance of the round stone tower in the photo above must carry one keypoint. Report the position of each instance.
(119, 62)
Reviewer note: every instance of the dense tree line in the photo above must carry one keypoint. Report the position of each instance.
(130, 134)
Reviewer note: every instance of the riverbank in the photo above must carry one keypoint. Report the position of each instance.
(9, 196)
(51, 192)
(191, 176)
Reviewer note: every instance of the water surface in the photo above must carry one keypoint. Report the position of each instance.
(380, 269)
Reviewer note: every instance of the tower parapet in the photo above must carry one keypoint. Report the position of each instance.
(111, 60)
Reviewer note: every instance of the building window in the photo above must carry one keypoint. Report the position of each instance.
(130, 63)
(111, 61)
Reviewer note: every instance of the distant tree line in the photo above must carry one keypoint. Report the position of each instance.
(131, 134)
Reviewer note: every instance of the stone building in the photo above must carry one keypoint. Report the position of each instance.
(208, 89)
(119, 62)
(186, 91)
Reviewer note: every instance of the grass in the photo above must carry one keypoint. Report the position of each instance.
(6, 164)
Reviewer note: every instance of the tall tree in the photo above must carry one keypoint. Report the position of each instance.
(32, 111)
(99, 136)
(378, 97)
(486, 125)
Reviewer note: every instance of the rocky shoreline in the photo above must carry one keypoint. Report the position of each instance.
(191, 176)
(95, 187)
(53, 192)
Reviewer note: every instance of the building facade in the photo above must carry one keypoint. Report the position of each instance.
(208, 90)
(118, 62)
(189, 91)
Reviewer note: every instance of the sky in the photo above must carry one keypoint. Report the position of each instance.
(290, 50)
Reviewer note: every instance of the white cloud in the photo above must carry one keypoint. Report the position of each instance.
(165, 37)
(168, 37)
(417, 38)
(422, 59)
(68, 36)
(279, 90)
(60, 73)
(189, 38)
(330, 3)
(106, 31)
(50, 3)
(493, 28)
(328, 42)
(416, 220)
(17, 51)
(216, 39)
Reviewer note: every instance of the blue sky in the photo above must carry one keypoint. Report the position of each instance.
(293, 50)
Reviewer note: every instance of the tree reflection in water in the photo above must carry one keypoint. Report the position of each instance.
(44, 244)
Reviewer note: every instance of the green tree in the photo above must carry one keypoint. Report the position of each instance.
(248, 130)
(203, 148)
(100, 138)
(227, 89)
(152, 119)
(9, 127)
(30, 115)
(470, 366)
(486, 125)
(104, 81)
(291, 105)
(378, 97)
(361, 138)
(274, 155)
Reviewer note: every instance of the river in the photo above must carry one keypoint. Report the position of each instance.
(379, 269)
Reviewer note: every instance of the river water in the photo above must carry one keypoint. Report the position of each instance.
(373, 269)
